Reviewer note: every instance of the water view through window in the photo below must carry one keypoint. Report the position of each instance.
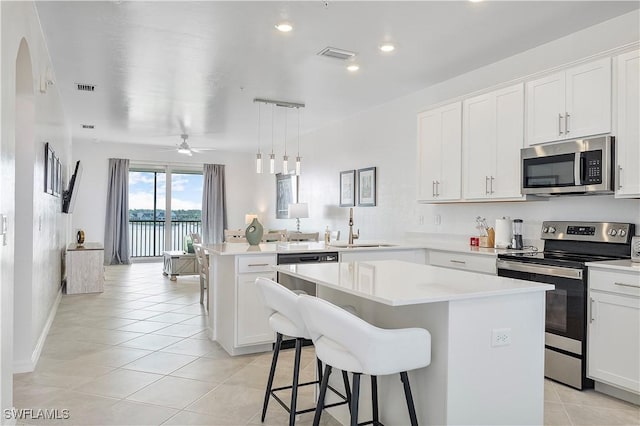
(151, 230)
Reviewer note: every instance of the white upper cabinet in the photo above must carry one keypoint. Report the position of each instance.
(493, 134)
(628, 126)
(570, 104)
(439, 153)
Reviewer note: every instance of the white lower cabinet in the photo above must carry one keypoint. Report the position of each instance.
(613, 342)
(469, 262)
(413, 256)
(252, 317)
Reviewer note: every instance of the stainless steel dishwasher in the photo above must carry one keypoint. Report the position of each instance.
(293, 283)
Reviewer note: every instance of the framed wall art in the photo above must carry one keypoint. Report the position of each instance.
(49, 169)
(348, 188)
(367, 187)
(286, 193)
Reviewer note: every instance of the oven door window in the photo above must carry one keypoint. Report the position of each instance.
(565, 305)
(549, 172)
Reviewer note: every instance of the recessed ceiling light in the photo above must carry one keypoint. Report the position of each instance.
(284, 27)
(387, 47)
(353, 67)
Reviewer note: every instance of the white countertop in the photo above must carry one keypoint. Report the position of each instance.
(233, 249)
(625, 265)
(398, 283)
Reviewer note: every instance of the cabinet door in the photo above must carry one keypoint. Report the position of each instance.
(479, 130)
(509, 139)
(252, 317)
(588, 109)
(545, 109)
(614, 340)
(628, 125)
(429, 153)
(448, 187)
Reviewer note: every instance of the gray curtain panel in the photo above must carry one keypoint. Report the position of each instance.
(214, 204)
(116, 228)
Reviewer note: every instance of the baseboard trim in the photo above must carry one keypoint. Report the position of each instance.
(27, 366)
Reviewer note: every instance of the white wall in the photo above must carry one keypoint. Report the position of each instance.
(90, 208)
(385, 137)
(42, 224)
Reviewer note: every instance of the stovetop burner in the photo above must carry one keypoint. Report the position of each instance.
(572, 244)
(569, 260)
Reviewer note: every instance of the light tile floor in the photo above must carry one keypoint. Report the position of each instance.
(139, 354)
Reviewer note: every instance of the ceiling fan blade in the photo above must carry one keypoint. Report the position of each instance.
(203, 149)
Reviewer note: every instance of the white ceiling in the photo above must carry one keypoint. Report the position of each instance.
(164, 68)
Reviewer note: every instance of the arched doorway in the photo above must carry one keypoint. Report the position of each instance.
(24, 220)
(23, 145)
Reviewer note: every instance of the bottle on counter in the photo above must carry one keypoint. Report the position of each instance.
(327, 235)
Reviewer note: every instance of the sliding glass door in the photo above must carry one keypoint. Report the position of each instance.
(151, 229)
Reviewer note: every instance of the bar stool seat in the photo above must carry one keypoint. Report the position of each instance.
(344, 341)
(285, 320)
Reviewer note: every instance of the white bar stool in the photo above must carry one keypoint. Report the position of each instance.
(344, 341)
(285, 320)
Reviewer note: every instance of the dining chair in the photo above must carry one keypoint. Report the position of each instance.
(234, 236)
(203, 271)
(302, 236)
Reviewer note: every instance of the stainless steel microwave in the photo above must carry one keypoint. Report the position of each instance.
(582, 166)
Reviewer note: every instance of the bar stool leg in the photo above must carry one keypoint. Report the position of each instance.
(274, 362)
(322, 394)
(319, 364)
(407, 393)
(355, 394)
(294, 389)
(347, 388)
(374, 400)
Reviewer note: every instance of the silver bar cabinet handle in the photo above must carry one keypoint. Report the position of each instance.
(619, 176)
(433, 188)
(566, 123)
(461, 262)
(591, 318)
(486, 184)
(437, 188)
(626, 285)
(492, 178)
(559, 124)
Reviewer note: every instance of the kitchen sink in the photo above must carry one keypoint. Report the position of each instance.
(354, 245)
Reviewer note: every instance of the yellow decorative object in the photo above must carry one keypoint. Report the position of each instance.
(80, 238)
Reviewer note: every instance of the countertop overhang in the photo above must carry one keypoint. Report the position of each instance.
(234, 249)
(398, 283)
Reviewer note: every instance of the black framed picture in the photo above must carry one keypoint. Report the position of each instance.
(49, 169)
(286, 193)
(348, 188)
(367, 187)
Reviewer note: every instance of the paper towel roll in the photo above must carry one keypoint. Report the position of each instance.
(503, 233)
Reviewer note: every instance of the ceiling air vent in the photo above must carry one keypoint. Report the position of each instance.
(88, 126)
(332, 52)
(86, 87)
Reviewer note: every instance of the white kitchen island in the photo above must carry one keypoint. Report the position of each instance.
(487, 354)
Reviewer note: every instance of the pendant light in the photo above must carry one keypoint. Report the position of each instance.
(285, 157)
(298, 155)
(272, 156)
(259, 154)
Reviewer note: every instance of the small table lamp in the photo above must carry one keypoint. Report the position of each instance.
(298, 211)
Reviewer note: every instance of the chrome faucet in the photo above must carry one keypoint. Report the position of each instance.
(352, 236)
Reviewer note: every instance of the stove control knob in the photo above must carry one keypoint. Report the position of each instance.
(613, 232)
(622, 232)
(552, 230)
(545, 229)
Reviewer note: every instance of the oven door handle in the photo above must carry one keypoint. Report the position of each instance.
(554, 271)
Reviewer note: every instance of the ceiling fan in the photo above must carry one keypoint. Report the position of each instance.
(185, 149)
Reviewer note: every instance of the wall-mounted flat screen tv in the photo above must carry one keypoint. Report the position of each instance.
(70, 196)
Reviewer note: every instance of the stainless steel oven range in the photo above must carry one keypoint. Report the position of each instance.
(567, 247)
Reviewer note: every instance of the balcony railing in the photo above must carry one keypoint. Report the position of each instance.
(146, 237)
